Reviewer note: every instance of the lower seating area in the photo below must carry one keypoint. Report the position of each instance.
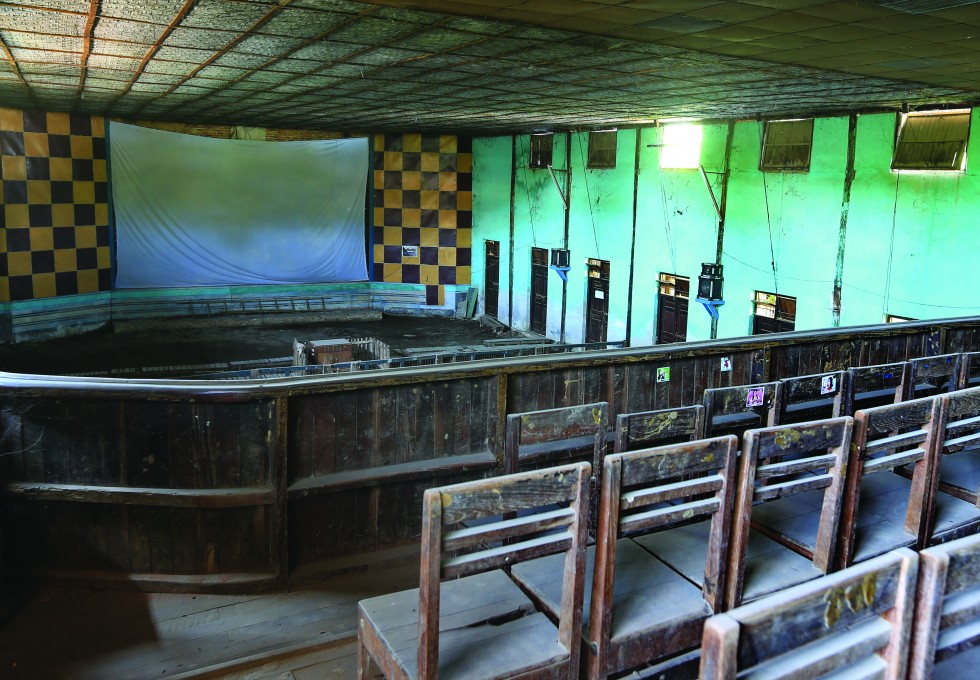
(791, 552)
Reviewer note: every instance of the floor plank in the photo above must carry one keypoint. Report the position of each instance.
(96, 635)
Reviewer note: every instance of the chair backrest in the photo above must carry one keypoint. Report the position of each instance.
(929, 376)
(778, 462)
(886, 438)
(858, 619)
(969, 370)
(655, 428)
(732, 410)
(557, 435)
(652, 490)
(947, 604)
(811, 397)
(553, 507)
(869, 386)
(962, 424)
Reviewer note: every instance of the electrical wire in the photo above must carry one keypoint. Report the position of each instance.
(772, 250)
(588, 193)
(527, 193)
(891, 249)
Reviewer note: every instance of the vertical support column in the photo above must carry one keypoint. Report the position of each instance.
(501, 428)
(280, 478)
(636, 193)
(719, 247)
(568, 214)
(844, 209)
(513, 199)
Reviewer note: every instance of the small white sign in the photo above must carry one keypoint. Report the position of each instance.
(726, 364)
(828, 384)
(600, 295)
(410, 251)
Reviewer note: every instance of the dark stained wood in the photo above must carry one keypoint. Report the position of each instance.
(947, 606)
(554, 435)
(969, 370)
(876, 385)
(202, 435)
(932, 375)
(407, 629)
(811, 397)
(858, 619)
(727, 409)
(959, 475)
(652, 428)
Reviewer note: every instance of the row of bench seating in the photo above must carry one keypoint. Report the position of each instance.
(680, 534)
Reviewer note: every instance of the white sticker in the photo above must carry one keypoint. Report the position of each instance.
(600, 295)
(726, 364)
(663, 374)
(828, 384)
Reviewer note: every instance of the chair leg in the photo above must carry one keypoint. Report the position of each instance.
(363, 661)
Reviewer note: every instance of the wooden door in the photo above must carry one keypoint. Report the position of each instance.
(492, 278)
(672, 307)
(597, 301)
(539, 290)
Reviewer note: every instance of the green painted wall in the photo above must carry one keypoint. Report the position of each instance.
(491, 201)
(909, 245)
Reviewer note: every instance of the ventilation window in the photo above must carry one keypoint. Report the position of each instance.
(934, 140)
(894, 318)
(541, 145)
(774, 313)
(681, 147)
(602, 149)
(786, 145)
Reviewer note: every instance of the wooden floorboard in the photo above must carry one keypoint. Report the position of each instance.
(95, 635)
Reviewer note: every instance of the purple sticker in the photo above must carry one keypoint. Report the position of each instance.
(755, 396)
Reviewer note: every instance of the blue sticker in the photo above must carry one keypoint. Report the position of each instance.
(887, 376)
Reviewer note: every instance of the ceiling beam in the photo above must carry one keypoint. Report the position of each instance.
(94, 8)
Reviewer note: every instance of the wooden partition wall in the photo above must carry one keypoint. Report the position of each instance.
(201, 485)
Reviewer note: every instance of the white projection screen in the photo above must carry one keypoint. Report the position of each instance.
(195, 211)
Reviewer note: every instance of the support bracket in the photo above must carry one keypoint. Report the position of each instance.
(564, 200)
(562, 272)
(711, 306)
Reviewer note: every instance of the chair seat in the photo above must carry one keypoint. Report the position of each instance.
(962, 469)
(769, 566)
(487, 628)
(647, 594)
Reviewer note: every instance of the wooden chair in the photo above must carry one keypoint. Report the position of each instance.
(811, 397)
(883, 511)
(959, 472)
(640, 610)
(733, 410)
(814, 454)
(869, 386)
(656, 428)
(856, 621)
(947, 611)
(554, 436)
(969, 370)
(480, 624)
(929, 376)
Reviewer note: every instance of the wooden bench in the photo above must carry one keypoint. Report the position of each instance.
(959, 473)
(468, 619)
(856, 621)
(656, 428)
(947, 613)
(929, 376)
(811, 397)
(869, 386)
(732, 410)
(640, 610)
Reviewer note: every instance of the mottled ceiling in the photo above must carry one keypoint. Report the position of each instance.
(483, 67)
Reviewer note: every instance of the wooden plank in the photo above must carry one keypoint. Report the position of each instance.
(186, 498)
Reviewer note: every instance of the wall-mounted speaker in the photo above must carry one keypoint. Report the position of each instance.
(710, 282)
(559, 257)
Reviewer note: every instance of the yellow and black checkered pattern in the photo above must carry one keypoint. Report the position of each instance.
(54, 227)
(423, 200)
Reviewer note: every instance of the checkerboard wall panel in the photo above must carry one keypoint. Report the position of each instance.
(423, 209)
(54, 225)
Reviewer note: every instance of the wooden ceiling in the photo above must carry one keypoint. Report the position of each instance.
(484, 67)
